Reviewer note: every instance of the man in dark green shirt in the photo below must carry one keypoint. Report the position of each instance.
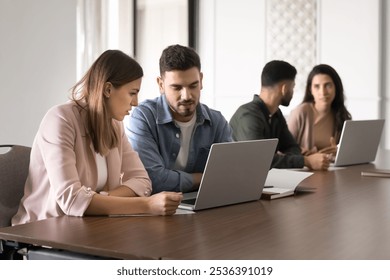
(262, 119)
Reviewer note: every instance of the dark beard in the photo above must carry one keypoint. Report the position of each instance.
(285, 102)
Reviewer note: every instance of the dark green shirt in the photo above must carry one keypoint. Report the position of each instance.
(253, 121)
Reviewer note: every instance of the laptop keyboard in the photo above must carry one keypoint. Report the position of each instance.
(189, 201)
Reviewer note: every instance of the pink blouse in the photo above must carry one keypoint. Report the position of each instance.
(63, 175)
(310, 133)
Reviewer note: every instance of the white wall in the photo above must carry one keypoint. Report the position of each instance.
(232, 49)
(350, 42)
(385, 72)
(37, 63)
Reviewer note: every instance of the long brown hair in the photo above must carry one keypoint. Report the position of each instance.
(117, 68)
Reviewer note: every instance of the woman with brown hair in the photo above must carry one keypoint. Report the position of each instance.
(81, 161)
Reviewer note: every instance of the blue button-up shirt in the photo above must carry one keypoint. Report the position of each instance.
(153, 133)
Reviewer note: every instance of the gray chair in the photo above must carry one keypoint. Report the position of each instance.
(14, 164)
(13, 173)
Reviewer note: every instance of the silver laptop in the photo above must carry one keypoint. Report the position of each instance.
(359, 142)
(235, 172)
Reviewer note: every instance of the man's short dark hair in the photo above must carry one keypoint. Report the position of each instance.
(276, 71)
(177, 57)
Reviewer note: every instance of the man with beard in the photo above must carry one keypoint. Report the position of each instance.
(173, 133)
(262, 119)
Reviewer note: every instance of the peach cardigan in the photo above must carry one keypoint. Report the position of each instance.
(301, 122)
(63, 174)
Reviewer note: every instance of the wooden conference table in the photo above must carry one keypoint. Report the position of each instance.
(346, 217)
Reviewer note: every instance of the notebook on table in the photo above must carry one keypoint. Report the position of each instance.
(235, 172)
(284, 182)
(359, 142)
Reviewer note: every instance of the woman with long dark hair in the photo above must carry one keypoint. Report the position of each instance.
(317, 122)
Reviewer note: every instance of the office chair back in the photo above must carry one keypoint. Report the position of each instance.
(13, 174)
(14, 166)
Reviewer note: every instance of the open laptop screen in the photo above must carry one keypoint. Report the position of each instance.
(359, 142)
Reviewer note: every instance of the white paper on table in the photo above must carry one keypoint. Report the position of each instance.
(285, 178)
